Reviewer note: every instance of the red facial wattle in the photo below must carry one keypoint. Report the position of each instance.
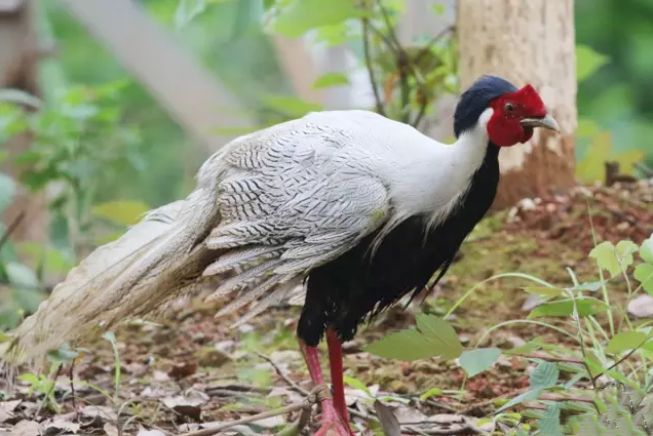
(504, 127)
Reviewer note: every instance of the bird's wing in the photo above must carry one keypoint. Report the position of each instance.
(290, 199)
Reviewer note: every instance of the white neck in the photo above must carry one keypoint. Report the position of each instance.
(435, 182)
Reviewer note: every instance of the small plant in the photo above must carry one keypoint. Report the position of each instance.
(602, 383)
(77, 140)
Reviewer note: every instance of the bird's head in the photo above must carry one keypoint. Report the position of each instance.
(509, 114)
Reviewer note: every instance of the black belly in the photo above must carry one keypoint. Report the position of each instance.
(361, 283)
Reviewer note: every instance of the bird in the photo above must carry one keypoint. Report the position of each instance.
(357, 209)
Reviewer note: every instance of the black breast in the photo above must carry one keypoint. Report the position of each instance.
(357, 285)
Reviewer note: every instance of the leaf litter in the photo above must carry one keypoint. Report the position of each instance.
(191, 372)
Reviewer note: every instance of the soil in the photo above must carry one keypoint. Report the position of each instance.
(184, 372)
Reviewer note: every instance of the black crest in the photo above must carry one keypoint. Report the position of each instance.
(476, 99)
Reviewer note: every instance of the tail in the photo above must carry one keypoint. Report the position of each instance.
(156, 260)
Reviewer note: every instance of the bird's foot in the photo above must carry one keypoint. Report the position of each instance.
(333, 428)
(331, 422)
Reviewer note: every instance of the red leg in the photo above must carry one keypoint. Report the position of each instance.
(337, 371)
(332, 422)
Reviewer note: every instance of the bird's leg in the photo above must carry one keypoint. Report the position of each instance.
(335, 365)
(332, 422)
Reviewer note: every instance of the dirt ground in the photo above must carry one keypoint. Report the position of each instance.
(189, 372)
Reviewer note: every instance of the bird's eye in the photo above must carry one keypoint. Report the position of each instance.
(509, 107)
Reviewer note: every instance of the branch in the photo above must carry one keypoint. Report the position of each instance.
(315, 395)
(12, 228)
(433, 40)
(370, 69)
(281, 374)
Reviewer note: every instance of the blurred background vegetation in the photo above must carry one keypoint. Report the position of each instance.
(107, 151)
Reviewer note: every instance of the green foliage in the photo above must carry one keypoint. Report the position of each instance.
(608, 345)
(330, 79)
(75, 138)
(644, 271)
(187, 10)
(7, 191)
(600, 148)
(431, 337)
(588, 61)
(549, 424)
(121, 212)
(292, 18)
(614, 259)
(479, 360)
(289, 107)
(584, 306)
(43, 385)
(626, 340)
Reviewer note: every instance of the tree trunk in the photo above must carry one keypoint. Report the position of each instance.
(19, 55)
(526, 42)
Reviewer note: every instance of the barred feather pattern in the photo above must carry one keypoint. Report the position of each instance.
(280, 215)
(268, 208)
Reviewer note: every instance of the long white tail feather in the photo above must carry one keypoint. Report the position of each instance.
(238, 258)
(279, 294)
(131, 276)
(248, 276)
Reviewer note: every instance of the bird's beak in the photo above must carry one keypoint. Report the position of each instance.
(548, 122)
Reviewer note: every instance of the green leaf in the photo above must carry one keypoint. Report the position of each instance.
(63, 354)
(545, 291)
(292, 107)
(586, 306)
(625, 250)
(439, 9)
(529, 347)
(21, 275)
(644, 274)
(441, 334)
(433, 392)
(299, 16)
(545, 375)
(355, 383)
(187, 10)
(476, 361)
(588, 61)
(330, 79)
(646, 250)
(592, 167)
(627, 340)
(549, 423)
(614, 259)
(433, 337)
(7, 191)
(529, 395)
(121, 212)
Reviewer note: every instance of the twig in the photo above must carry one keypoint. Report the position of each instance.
(308, 402)
(560, 398)
(71, 378)
(403, 64)
(281, 374)
(383, 37)
(552, 358)
(618, 362)
(302, 422)
(433, 40)
(424, 103)
(487, 402)
(370, 69)
(12, 228)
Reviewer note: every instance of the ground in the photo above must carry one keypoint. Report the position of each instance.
(192, 371)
